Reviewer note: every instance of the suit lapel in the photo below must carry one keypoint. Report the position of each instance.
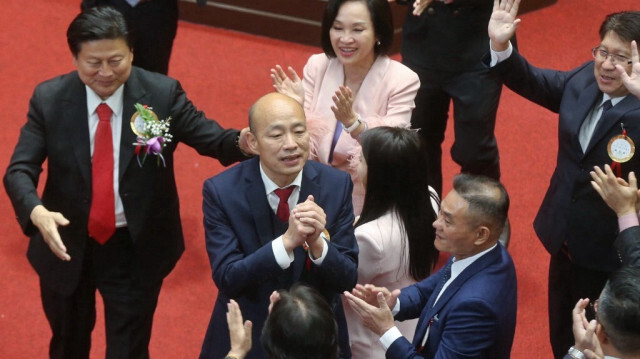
(257, 199)
(475, 267)
(611, 118)
(584, 105)
(133, 93)
(76, 116)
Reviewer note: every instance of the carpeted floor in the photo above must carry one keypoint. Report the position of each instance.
(224, 72)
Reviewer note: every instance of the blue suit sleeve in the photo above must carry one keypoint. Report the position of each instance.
(235, 268)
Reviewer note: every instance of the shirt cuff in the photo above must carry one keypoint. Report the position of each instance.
(283, 258)
(325, 249)
(627, 221)
(499, 56)
(389, 337)
(396, 308)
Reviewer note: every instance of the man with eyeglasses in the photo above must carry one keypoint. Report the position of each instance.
(598, 125)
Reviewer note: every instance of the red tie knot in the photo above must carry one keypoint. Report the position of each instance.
(284, 193)
(104, 112)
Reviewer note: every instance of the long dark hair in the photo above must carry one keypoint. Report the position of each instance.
(397, 180)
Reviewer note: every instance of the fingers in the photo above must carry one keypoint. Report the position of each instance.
(635, 58)
(633, 183)
(293, 74)
(382, 301)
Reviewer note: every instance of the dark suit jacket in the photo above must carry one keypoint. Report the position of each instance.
(572, 210)
(628, 246)
(449, 37)
(57, 131)
(237, 220)
(474, 318)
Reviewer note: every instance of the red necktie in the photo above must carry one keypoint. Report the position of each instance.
(283, 207)
(102, 217)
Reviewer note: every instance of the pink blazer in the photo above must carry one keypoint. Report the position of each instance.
(384, 99)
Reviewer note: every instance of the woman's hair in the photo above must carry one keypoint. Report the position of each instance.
(301, 325)
(381, 18)
(397, 181)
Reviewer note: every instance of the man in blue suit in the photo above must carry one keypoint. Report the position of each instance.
(595, 109)
(254, 248)
(468, 308)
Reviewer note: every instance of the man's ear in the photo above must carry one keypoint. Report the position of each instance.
(482, 235)
(602, 336)
(252, 142)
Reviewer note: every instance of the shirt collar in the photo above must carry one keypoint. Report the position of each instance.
(270, 186)
(614, 100)
(114, 101)
(458, 266)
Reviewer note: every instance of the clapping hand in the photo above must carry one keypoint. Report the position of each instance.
(239, 332)
(621, 196)
(343, 109)
(290, 85)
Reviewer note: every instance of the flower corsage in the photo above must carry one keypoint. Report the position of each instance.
(153, 134)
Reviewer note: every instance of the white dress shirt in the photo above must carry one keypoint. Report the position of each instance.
(115, 102)
(284, 258)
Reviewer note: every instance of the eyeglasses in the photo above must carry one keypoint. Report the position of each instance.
(603, 55)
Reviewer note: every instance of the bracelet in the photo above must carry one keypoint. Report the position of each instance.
(353, 125)
(575, 353)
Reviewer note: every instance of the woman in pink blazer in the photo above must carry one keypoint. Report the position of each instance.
(394, 231)
(352, 86)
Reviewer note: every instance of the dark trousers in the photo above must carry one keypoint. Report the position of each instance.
(475, 96)
(153, 26)
(567, 284)
(129, 305)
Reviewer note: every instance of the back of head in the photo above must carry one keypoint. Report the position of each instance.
(619, 310)
(301, 325)
(488, 201)
(397, 181)
(381, 18)
(97, 23)
(625, 24)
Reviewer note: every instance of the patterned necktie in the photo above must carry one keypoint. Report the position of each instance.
(102, 217)
(446, 274)
(283, 206)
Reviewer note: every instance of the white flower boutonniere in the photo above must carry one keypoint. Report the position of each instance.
(153, 133)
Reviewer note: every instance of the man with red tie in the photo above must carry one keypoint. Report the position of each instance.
(275, 220)
(108, 218)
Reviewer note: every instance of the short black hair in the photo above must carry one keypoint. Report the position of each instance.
(488, 200)
(619, 310)
(625, 24)
(97, 23)
(381, 18)
(301, 326)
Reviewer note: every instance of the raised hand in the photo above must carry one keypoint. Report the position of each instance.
(631, 81)
(503, 23)
(621, 196)
(239, 331)
(290, 85)
(369, 293)
(343, 109)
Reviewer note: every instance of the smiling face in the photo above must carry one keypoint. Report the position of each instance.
(608, 79)
(353, 36)
(454, 233)
(279, 135)
(104, 65)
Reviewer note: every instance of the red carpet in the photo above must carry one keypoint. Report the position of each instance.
(224, 72)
